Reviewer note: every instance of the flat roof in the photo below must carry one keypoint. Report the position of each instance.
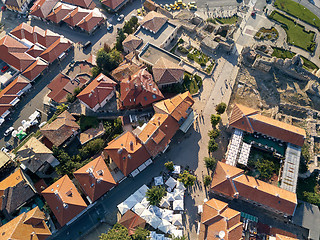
(151, 53)
(157, 39)
(4, 158)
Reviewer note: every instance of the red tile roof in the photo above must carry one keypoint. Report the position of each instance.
(35, 51)
(76, 16)
(82, 3)
(127, 152)
(42, 8)
(249, 120)
(131, 221)
(93, 19)
(132, 42)
(64, 200)
(231, 181)
(35, 69)
(167, 72)
(95, 178)
(153, 21)
(24, 30)
(125, 70)
(97, 91)
(112, 4)
(158, 132)
(60, 12)
(56, 49)
(18, 84)
(139, 89)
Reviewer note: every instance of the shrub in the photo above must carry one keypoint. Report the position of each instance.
(215, 119)
(214, 133)
(207, 180)
(210, 163)
(117, 232)
(187, 178)
(155, 194)
(169, 165)
(141, 234)
(212, 145)
(221, 108)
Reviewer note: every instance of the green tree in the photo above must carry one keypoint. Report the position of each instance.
(91, 148)
(266, 169)
(221, 108)
(95, 71)
(169, 165)
(118, 232)
(141, 234)
(179, 238)
(210, 163)
(215, 119)
(207, 180)
(108, 61)
(127, 27)
(214, 133)
(76, 91)
(106, 48)
(119, 40)
(212, 145)
(187, 178)
(155, 194)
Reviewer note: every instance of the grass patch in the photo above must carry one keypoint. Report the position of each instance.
(198, 56)
(296, 34)
(230, 20)
(87, 122)
(298, 11)
(209, 68)
(267, 34)
(191, 83)
(308, 64)
(282, 53)
(308, 189)
(211, 20)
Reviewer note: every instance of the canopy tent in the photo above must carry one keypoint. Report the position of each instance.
(145, 202)
(177, 233)
(177, 219)
(177, 169)
(154, 221)
(146, 215)
(171, 182)
(178, 194)
(164, 226)
(158, 181)
(143, 189)
(123, 208)
(138, 208)
(155, 210)
(178, 205)
(180, 186)
(21, 135)
(167, 214)
(131, 201)
(170, 197)
(164, 203)
(138, 196)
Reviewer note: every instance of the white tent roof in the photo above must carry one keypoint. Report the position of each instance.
(178, 205)
(177, 233)
(164, 202)
(178, 194)
(171, 182)
(177, 219)
(145, 202)
(138, 196)
(167, 214)
(164, 226)
(123, 208)
(158, 181)
(154, 221)
(131, 201)
(138, 208)
(155, 210)
(170, 197)
(143, 189)
(180, 186)
(146, 215)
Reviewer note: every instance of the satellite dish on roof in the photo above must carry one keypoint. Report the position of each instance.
(222, 234)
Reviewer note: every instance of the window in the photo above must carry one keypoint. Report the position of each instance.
(154, 96)
(145, 98)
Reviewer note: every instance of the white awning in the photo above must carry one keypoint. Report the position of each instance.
(188, 122)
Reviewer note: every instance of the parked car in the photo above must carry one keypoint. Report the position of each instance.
(3, 149)
(139, 12)
(42, 124)
(109, 28)
(8, 131)
(120, 18)
(9, 146)
(5, 68)
(87, 44)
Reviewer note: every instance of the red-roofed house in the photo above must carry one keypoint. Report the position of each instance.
(139, 90)
(42, 8)
(64, 200)
(127, 152)
(95, 178)
(35, 69)
(91, 21)
(60, 11)
(76, 16)
(56, 50)
(98, 92)
(114, 5)
(82, 3)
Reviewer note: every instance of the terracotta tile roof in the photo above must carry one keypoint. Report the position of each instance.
(131, 221)
(282, 237)
(127, 152)
(35, 69)
(18, 84)
(7, 99)
(124, 71)
(35, 51)
(217, 216)
(97, 91)
(56, 49)
(4, 108)
(92, 59)
(139, 89)
(22, 31)
(266, 194)
(82, 3)
(177, 106)
(158, 132)
(153, 21)
(276, 231)
(95, 178)
(64, 200)
(91, 133)
(167, 72)
(112, 4)
(13, 53)
(30, 225)
(12, 180)
(132, 42)
(42, 8)
(250, 120)
(150, 5)
(93, 19)
(33, 154)
(76, 16)
(231, 181)
(60, 129)
(60, 11)
(62, 85)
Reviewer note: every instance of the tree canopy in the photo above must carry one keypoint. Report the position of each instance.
(187, 178)
(107, 61)
(266, 168)
(221, 108)
(118, 232)
(215, 119)
(155, 194)
(212, 145)
(210, 162)
(141, 234)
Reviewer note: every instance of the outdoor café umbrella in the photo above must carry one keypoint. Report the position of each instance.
(138, 208)
(177, 219)
(178, 205)
(180, 186)
(138, 196)
(167, 214)
(146, 215)
(123, 208)
(21, 135)
(154, 221)
(143, 189)
(145, 202)
(164, 202)
(171, 182)
(164, 226)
